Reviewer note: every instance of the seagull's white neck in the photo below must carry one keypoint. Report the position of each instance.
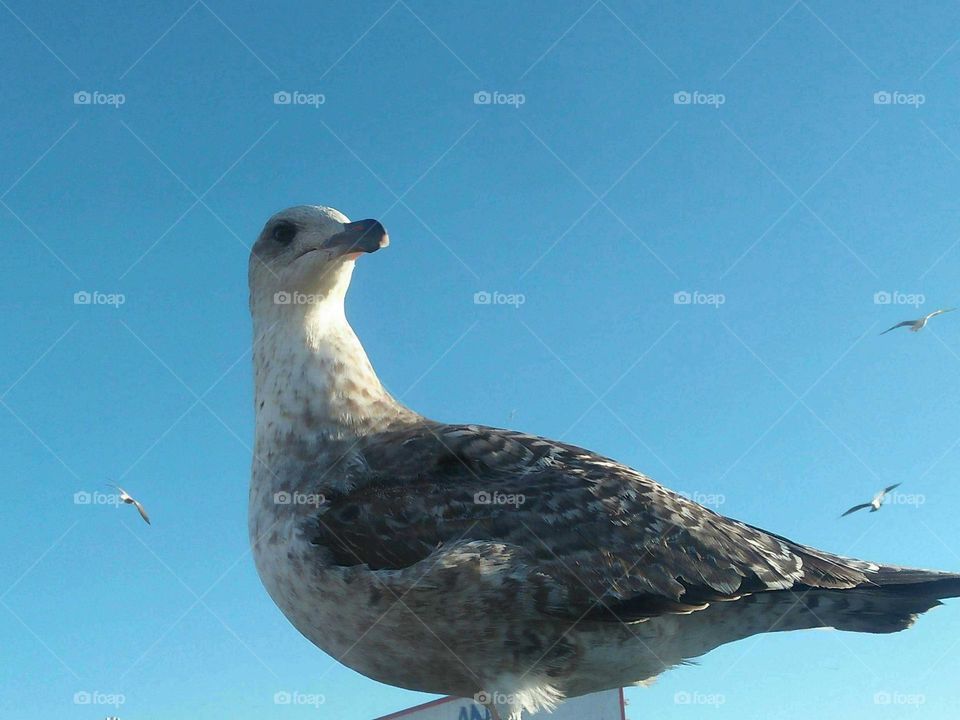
(313, 379)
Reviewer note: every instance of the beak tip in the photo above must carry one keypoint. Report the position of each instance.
(365, 236)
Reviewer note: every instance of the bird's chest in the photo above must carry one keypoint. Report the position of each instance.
(311, 592)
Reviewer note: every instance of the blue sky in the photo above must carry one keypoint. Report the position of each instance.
(786, 198)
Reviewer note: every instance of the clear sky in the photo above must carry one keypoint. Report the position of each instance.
(783, 197)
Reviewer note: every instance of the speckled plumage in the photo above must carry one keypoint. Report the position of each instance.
(459, 559)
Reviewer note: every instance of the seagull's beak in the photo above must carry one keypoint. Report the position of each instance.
(362, 236)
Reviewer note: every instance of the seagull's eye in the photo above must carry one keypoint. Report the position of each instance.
(284, 233)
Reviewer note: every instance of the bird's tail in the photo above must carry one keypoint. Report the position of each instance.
(891, 601)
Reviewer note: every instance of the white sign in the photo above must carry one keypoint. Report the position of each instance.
(607, 705)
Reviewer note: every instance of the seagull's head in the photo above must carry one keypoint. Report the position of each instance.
(306, 254)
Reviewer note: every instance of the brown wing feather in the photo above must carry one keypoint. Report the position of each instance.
(596, 536)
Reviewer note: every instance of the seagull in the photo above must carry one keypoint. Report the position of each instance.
(474, 561)
(130, 500)
(919, 324)
(874, 504)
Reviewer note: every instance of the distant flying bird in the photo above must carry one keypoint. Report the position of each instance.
(874, 504)
(920, 324)
(130, 500)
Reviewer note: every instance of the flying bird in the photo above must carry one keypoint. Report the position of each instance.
(874, 504)
(920, 323)
(474, 561)
(125, 497)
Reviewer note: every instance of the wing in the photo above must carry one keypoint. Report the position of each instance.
(940, 312)
(593, 537)
(905, 323)
(855, 508)
(143, 513)
(892, 487)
